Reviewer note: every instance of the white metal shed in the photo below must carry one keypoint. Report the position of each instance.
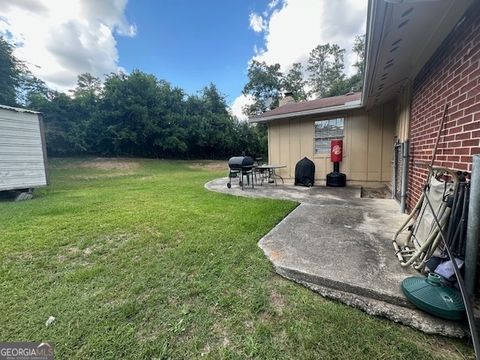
(23, 154)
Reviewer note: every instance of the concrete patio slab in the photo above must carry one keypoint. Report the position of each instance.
(316, 194)
(339, 245)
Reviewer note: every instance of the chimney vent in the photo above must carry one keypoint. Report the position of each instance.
(287, 98)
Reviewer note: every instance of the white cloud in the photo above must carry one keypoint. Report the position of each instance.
(60, 39)
(238, 104)
(294, 28)
(257, 23)
(273, 4)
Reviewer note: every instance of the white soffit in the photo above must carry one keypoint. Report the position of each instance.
(402, 36)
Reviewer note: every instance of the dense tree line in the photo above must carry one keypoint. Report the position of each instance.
(139, 115)
(129, 115)
(323, 77)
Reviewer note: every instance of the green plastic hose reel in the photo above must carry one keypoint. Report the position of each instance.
(431, 295)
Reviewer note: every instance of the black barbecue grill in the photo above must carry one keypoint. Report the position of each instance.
(240, 167)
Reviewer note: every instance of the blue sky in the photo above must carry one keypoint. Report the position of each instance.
(189, 43)
(192, 43)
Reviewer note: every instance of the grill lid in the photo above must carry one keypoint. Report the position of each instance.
(238, 162)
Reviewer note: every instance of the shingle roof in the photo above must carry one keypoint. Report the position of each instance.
(310, 107)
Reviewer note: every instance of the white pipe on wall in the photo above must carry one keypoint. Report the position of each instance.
(473, 227)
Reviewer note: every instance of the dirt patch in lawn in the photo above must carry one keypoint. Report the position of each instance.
(111, 168)
(278, 302)
(102, 176)
(104, 246)
(213, 165)
(110, 164)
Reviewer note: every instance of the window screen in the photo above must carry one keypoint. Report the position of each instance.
(325, 131)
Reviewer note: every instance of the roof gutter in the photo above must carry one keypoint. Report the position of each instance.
(371, 47)
(351, 106)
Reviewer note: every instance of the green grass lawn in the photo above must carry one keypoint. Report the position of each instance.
(135, 259)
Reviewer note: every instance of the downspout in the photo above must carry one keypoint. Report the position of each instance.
(403, 191)
(394, 171)
(473, 227)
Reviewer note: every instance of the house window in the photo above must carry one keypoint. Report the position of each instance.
(326, 131)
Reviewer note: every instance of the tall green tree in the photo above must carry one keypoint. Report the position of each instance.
(17, 83)
(85, 103)
(325, 65)
(65, 125)
(139, 115)
(87, 85)
(10, 74)
(217, 123)
(31, 88)
(170, 124)
(129, 114)
(355, 82)
(264, 86)
(359, 50)
(294, 82)
(124, 113)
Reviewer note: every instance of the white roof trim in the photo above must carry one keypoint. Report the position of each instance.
(367, 72)
(5, 107)
(347, 106)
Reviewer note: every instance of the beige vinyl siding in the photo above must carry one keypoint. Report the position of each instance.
(22, 162)
(368, 141)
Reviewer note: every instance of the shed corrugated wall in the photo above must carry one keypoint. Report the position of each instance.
(22, 163)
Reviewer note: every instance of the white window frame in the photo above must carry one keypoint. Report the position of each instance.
(327, 137)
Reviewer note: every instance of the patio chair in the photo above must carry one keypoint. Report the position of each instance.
(422, 233)
(261, 173)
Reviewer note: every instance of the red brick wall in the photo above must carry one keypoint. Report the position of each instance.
(450, 76)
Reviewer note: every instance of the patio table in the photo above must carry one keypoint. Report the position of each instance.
(268, 172)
